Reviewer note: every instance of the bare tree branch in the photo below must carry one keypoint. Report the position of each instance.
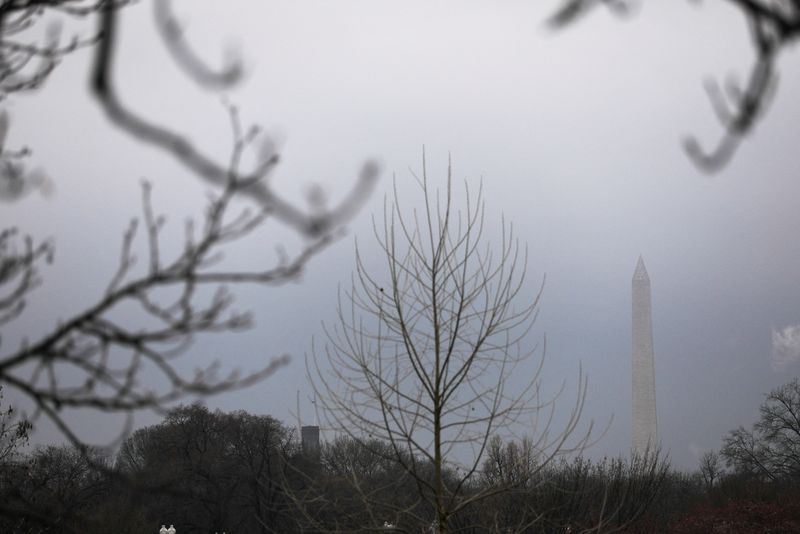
(171, 33)
(180, 295)
(202, 166)
(26, 64)
(423, 355)
(774, 27)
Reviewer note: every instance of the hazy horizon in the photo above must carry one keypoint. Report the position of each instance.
(575, 135)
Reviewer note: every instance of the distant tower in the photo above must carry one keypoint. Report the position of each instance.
(643, 365)
(309, 438)
(309, 434)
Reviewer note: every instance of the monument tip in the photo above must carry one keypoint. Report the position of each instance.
(641, 271)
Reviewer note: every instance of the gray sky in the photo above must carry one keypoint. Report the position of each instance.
(576, 136)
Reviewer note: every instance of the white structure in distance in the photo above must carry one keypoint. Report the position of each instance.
(644, 428)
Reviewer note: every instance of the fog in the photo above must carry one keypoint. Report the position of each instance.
(576, 135)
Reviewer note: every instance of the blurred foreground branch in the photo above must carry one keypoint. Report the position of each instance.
(774, 27)
(202, 166)
(147, 317)
(19, 51)
(144, 320)
(31, 47)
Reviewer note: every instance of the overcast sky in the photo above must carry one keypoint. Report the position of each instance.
(576, 135)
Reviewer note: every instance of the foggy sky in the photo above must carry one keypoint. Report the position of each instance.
(576, 135)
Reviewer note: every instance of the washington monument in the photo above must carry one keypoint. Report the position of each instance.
(643, 366)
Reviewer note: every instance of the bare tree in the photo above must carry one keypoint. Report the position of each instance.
(774, 27)
(710, 468)
(424, 352)
(771, 450)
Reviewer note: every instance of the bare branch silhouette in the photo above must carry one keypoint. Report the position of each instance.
(177, 296)
(774, 27)
(181, 293)
(423, 355)
(171, 33)
(202, 166)
(27, 58)
(25, 63)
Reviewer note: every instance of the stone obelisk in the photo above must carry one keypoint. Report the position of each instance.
(644, 434)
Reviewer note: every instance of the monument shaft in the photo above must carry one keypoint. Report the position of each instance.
(644, 433)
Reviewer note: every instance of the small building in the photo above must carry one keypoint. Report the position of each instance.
(309, 439)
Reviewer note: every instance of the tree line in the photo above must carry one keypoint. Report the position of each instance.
(213, 471)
